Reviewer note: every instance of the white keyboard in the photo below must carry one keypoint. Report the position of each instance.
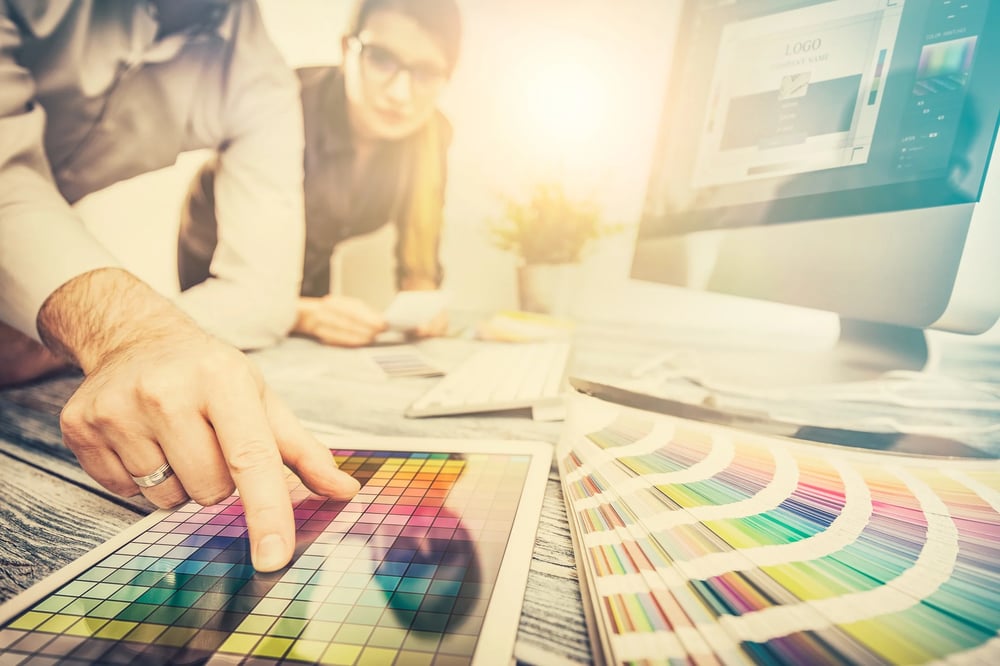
(501, 377)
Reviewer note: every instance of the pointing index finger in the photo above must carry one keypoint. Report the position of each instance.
(249, 447)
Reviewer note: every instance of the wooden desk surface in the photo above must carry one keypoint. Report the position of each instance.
(51, 512)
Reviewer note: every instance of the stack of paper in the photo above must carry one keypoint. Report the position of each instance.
(699, 543)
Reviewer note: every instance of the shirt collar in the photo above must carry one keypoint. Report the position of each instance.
(220, 24)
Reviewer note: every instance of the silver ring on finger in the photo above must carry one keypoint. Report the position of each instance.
(154, 478)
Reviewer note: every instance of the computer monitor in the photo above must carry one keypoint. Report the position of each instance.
(834, 155)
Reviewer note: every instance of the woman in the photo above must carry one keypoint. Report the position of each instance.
(375, 152)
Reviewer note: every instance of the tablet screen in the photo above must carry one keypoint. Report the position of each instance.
(406, 571)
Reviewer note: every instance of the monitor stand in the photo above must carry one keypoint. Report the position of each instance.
(862, 351)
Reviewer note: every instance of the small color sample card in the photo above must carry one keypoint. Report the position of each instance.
(403, 361)
(426, 565)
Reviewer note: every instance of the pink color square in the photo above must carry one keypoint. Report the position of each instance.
(401, 510)
(325, 515)
(378, 508)
(186, 528)
(421, 521)
(220, 520)
(426, 511)
(370, 518)
(316, 525)
(414, 531)
(233, 531)
(440, 533)
(396, 520)
(362, 528)
(208, 530)
(233, 510)
(389, 530)
(446, 522)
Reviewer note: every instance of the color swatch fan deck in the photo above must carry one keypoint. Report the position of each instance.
(707, 543)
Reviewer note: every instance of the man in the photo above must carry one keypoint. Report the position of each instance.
(93, 92)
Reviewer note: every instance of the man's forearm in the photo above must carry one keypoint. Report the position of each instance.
(104, 312)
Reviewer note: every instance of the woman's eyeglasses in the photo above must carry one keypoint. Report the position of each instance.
(380, 66)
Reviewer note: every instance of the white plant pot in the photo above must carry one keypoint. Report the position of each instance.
(548, 288)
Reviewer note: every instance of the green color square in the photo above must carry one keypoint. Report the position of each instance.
(115, 629)
(201, 583)
(272, 646)
(285, 590)
(387, 583)
(147, 578)
(364, 615)
(353, 634)
(256, 624)
(387, 637)
(102, 591)
(307, 651)
(165, 614)
(320, 631)
(399, 618)
(341, 655)
(300, 609)
(405, 601)
(422, 640)
(96, 574)
(176, 636)
(108, 609)
(76, 588)
(129, 593)
(435, 622)
(313, 593)
(415, 658)
(417, 585)
(239, 644)
(83, 606)
(135, 612)
(272, 607)
(287, 627)
(297, 576)
(332, 612)
(57, 623)
(53, 604)
(145, 633)
(212, 601)
(155, 595)
(120, 576)
(185, 598)
(373, 598)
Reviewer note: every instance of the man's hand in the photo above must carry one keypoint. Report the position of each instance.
(339, 320)
(159, 390)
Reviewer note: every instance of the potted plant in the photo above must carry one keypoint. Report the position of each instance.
(550, 233)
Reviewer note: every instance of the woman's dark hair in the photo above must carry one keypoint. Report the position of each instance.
(440, 18)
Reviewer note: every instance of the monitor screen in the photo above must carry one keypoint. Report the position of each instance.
(827, 154)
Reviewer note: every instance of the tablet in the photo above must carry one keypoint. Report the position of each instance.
(426, 565)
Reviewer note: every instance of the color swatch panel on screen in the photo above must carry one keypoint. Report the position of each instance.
(403, 573)
(706, 542)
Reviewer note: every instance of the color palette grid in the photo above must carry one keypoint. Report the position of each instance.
(703, 543)
(401, 574)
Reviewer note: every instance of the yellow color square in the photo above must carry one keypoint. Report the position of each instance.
(340, 654)
(58, 623)
(86, 626)
(239, 644)
(272, 646)
(373, 656)
(29, 620)
(305, 650)
(115, 629)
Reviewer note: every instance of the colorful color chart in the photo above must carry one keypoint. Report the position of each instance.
(404, 573)
(699, 542)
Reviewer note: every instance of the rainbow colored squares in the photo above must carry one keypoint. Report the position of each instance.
(709, 544)
(403, 573)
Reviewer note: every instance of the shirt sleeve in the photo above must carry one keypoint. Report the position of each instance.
(43, 243)
(250, 300)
